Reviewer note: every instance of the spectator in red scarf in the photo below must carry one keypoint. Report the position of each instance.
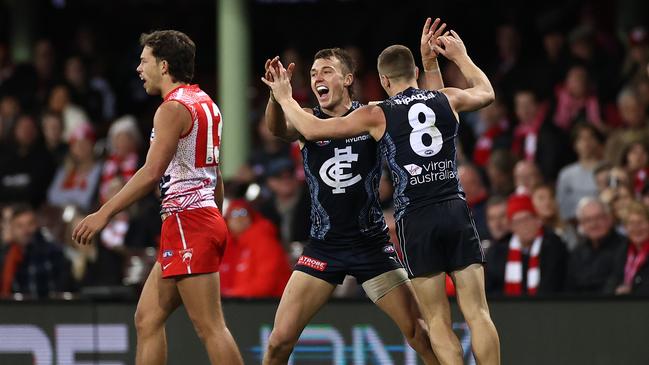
(631, 275)
(122, 161)
(576, 102)
(254, 264)
(536, 138)
(532, 262)
(494, 136)
(76, 182)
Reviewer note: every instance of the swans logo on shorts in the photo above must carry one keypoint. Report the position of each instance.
(187, 255)
(167, 253)
(388, 249)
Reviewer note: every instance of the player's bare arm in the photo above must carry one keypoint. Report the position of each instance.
(368, 119)
(275, 120)
(480, 92)
(430, 33)
(168, 130)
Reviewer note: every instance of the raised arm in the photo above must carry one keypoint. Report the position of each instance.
(480, 93)
(432, 77)
(369, 119)
(275, 120)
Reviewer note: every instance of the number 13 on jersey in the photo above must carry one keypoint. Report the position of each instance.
(208, 138)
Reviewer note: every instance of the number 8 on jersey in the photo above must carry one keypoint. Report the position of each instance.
(422, 121)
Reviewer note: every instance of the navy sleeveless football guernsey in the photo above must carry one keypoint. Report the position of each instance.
(343, 177)
(419, 146)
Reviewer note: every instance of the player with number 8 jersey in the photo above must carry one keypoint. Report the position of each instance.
(416, 129)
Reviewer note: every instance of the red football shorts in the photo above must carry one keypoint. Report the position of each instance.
(192, 242)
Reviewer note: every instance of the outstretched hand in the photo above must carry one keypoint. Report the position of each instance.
(451, 47)
(274, 63)
(278, 80)
(429, 38)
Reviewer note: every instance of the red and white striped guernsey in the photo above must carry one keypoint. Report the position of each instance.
(190, 179)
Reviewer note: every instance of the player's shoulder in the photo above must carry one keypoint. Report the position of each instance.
(172, 109)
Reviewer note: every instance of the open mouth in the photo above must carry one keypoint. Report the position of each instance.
(322, 91)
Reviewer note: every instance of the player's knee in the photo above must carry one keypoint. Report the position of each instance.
(206, 329)
(477, 315)
(281, 342)
(146, 321)
(416, 334)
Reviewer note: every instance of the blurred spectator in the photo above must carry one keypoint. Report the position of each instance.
(635, 159)
(577, 179)
(602, 175)
(299, 82)
(269, 148)
(81, 92)
(93, 264)
(32, 264)
(631, 274)
(123, 159)
(366, 86)
(76, 182)
(592, 262)
(476, 197)
(494, 122)
(526, 177)
(622, 198)
(635, 125)
(73, 116)
(500, 169)
(254, 263)
(576, 102)
(31, 83)
(6, 65)
(532, 262)
(507, 70)
(637, 54)
(536, 138)
(9, 111)
(545, 204)
(288, 206)
(26, 167)
(52, 126)
(497, 219)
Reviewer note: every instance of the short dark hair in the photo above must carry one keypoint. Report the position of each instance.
(397, 62)
(345, 59)
(174, 47)
(19, 209)
(601, 139)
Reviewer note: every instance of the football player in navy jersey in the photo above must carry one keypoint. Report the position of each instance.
(416, 130)
(348, 233)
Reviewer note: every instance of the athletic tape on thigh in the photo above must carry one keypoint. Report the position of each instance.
(378, 286)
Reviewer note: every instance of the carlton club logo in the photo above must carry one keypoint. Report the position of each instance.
(332, 171)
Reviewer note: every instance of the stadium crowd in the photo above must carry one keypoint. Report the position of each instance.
(556, 172)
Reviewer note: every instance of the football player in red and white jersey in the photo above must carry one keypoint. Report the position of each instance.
(184, 159)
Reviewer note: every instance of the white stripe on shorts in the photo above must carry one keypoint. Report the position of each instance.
(182, 237)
